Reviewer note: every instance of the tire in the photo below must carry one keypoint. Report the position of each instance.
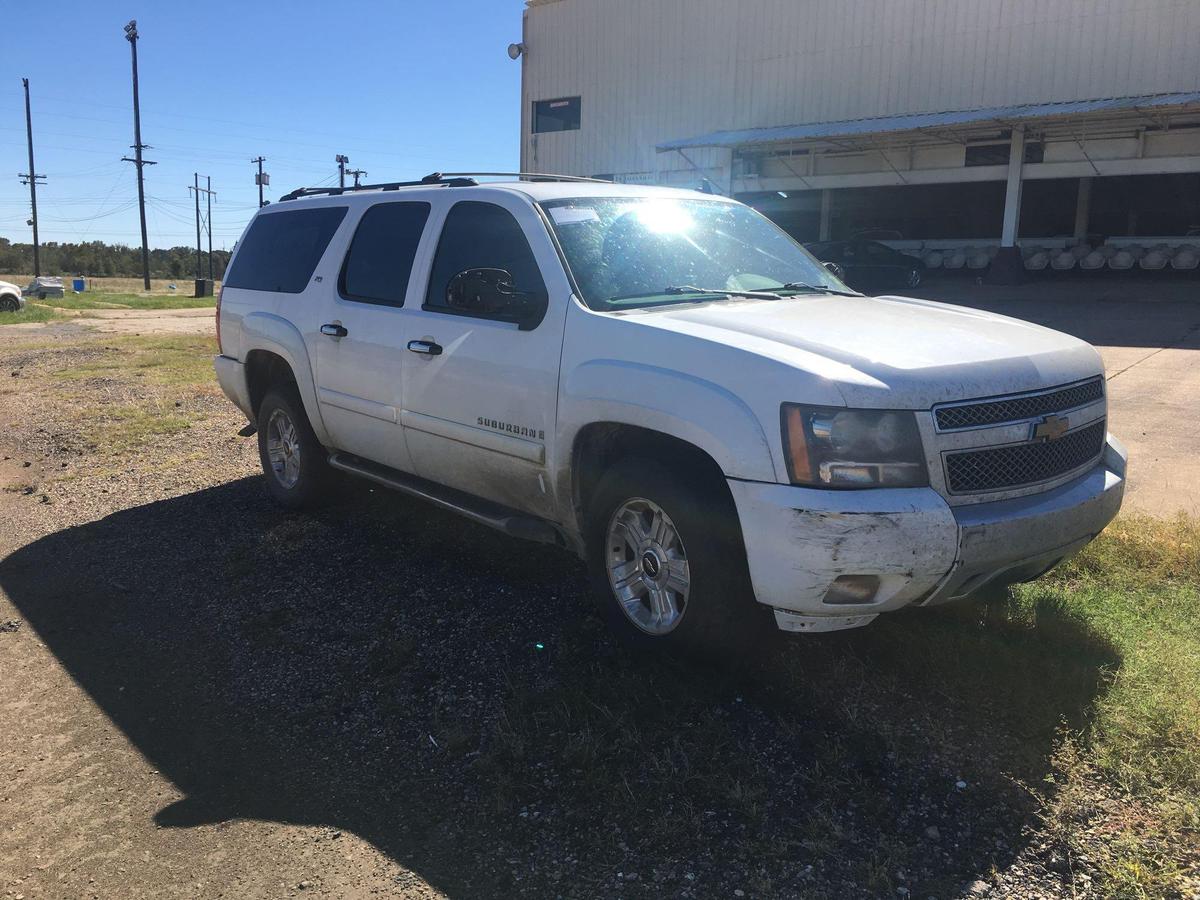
(672, 551)
(914, 278)
(9, 303)
(294, 462)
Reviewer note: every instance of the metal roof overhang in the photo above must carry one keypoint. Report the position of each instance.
(916, 122)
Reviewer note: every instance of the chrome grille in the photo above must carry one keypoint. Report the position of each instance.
(1014, 409)
(998, 468)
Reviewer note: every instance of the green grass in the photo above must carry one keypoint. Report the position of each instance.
(103, 300)
(165, 373)
(31, 313)
(1139, 587)
(171, 360)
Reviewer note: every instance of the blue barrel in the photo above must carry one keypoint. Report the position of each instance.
(78, 285)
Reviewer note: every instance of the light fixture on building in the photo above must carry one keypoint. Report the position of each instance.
(515, 51)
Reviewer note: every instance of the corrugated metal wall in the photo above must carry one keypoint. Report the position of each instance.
(651, 70)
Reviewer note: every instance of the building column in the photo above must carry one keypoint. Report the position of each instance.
(1008, 267)
(1083, 207)
(1012, 193)
(826, 214)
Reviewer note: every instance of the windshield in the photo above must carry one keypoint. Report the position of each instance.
(645, 251)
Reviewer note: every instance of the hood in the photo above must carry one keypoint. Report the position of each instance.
(895, 352)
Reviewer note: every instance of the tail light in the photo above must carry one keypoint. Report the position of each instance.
(219, 293)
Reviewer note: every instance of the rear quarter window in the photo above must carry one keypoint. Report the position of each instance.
(281, 250)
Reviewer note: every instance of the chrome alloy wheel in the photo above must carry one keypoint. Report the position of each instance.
(283, 448)
(647, 566)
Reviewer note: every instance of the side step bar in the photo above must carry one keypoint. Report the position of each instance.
(485, 512)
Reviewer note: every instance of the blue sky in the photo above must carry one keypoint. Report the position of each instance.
(402, 88)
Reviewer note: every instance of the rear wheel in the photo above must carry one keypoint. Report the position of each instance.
(293, 460)
(666, 560)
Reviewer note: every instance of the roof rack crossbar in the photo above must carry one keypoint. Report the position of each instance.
(447, 179)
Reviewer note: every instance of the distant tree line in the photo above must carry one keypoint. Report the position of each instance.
(96, 258)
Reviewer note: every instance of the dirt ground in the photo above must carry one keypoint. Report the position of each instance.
(205, 696)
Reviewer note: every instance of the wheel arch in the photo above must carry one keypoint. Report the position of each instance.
(276, 350)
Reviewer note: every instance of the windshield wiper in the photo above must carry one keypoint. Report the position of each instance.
(690, 289)
(727, 292)
(815, 288)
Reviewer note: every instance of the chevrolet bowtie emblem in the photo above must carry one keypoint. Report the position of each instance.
(1051, 428)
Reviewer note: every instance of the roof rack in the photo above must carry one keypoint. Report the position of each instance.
(447, 179)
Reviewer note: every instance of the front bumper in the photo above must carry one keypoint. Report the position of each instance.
(923, 551)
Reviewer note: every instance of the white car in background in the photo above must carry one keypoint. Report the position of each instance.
(667, 384)
(11, 298)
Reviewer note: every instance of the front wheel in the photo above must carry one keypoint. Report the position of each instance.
(293, 460)
(667, 562)
(9, 303)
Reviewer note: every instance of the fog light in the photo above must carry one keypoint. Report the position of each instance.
(850, 589)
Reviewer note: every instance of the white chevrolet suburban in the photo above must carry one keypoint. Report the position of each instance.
(667, 384)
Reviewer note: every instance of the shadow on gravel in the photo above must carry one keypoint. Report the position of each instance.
(446, 693)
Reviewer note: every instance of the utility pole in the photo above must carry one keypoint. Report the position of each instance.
(262, 178)
(209, 193)
(357, 173)
(196, 191)
(131, 35)
(341, 161)
(31, 178)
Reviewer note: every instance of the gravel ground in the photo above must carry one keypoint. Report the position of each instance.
(206, 696)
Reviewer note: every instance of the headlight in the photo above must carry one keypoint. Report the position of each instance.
(852, 448)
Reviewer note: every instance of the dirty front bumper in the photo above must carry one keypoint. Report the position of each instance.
(923, 551)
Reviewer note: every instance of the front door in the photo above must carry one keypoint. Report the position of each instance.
(360, 351)
(480, 389)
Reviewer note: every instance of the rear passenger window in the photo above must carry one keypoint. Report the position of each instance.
(381, 255)
(281, 250)
(482, 236)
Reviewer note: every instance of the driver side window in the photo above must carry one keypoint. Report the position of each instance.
(479, 235)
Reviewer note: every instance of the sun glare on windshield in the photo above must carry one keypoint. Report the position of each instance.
(664, 217)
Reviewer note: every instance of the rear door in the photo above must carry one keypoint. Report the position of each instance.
(360, 347)
(480, 393)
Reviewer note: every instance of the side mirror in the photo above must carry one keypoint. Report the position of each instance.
(837, 270)
(488, 292)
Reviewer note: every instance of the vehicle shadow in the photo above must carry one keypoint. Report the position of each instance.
(446, 693)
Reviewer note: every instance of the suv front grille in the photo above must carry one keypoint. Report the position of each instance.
(1014, 409)
(1016, 465)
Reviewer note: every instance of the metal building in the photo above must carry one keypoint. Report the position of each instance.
(936, 123)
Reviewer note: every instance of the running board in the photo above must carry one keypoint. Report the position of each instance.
(485, 512)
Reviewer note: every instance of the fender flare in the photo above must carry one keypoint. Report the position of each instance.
(274, 334)
(693, 409)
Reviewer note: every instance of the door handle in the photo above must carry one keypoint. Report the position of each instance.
(429, 348)
(333, 330)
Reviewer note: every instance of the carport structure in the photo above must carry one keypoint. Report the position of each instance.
(959, 176)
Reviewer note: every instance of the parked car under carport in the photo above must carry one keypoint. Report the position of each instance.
(870, 266)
